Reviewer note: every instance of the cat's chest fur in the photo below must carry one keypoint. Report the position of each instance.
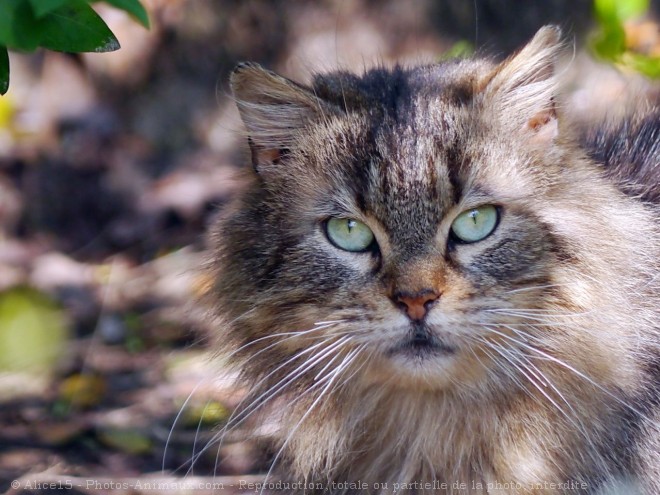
(424, 442)
(437, 287)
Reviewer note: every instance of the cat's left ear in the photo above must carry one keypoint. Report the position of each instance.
(522, 88)
(274, 110)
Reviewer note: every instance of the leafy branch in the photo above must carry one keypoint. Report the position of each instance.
(611, 42)
(59, 25)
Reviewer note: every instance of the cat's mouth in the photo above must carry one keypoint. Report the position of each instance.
(421, 342)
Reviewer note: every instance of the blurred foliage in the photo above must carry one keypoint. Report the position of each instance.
(60, 25)
(82, 390)
(6, 111)
(210, 414)
(611, 41)
(460, 49)
(130, 440)
(134, 341)
(33, 330)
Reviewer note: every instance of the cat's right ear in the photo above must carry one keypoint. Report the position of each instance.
(274, 111)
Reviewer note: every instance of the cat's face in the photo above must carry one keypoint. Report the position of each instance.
(403, 223)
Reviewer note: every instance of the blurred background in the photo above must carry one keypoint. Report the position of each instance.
(112, 168)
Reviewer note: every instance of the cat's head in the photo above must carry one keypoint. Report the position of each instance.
(418, 227)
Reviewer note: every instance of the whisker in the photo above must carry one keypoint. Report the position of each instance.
(176, 420)
(305, 366)
(194, 447)
(505, 369)
(574, 370)
(536, 312)
(246, 412)
(323, 326)
(521, 333)
(237, 420)
(330, 379)
(519, 365)
(535, 287)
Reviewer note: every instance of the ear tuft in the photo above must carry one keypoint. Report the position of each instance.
(523, 87)
(274, 110)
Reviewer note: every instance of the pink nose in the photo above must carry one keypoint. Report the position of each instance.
(416, 305)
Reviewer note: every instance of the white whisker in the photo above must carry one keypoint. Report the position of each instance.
(570, 368)
(246, 412)
(330, 380)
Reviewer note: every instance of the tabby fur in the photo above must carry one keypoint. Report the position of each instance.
(538, 364)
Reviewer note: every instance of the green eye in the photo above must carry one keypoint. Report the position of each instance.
(476, 224)
(349, 234)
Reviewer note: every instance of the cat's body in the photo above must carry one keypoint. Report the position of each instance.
(434, 359)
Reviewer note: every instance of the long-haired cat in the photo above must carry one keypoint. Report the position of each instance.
(437, 287)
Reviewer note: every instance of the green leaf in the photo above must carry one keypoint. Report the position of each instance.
(460, 49)
(627, 9)
(18, 28)
(6, 17)
(610, 43)
(131, 440)
(76, 28)
(133, 7)
(33, 331)
(42, 7)
(4, 70)
(606, 11)
(610, 11)
(648, 66)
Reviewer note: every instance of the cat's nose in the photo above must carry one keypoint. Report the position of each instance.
(416, 305)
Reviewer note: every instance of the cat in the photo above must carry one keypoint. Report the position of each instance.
(434, 283)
